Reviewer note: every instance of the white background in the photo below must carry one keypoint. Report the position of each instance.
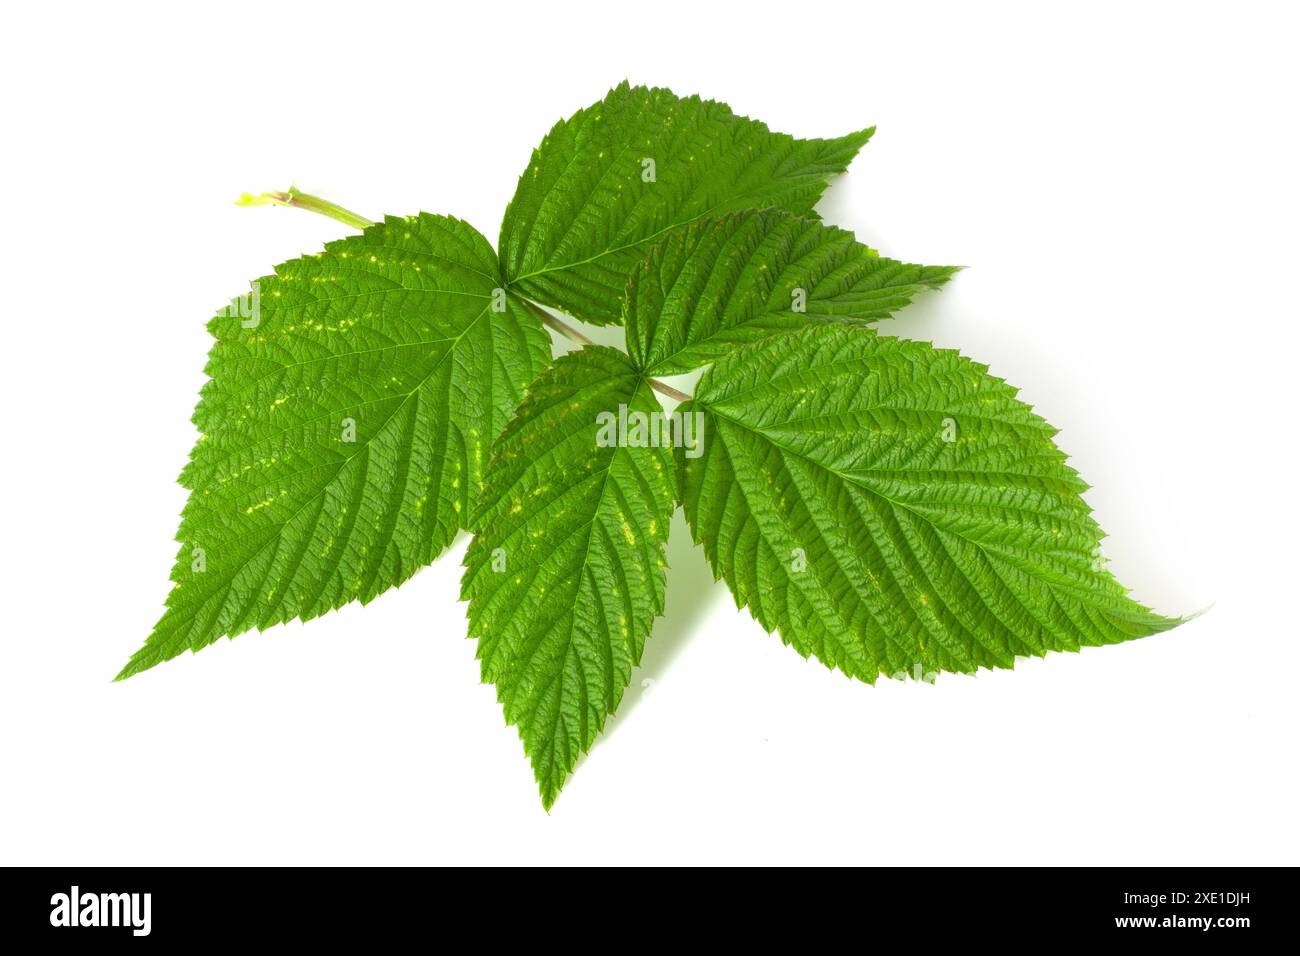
(1120, 180)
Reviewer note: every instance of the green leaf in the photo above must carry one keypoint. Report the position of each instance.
(566, 571)
(718, 284)
(590, 203)
(351, 403)
(893, 509)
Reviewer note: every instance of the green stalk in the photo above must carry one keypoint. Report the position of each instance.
(306, 201)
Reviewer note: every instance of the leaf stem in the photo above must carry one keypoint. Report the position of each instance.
(668, 390)
(568, 331)
(573, 335)
(301, 200)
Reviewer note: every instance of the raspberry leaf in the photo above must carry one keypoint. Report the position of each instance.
(612, 179)
(891, 508)
(352, 400)
(566, 571)
(718, 284)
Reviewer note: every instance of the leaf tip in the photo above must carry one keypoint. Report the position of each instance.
(130, 670)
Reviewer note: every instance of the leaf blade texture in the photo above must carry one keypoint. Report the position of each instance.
(607, 182)
(565, 574)
(830, 501)
(718, 284)
(349, 410)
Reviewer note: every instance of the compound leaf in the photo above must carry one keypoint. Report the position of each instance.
(352, 400)
(613, 178)
(893, 509)
(717, 284)
(565, 574)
